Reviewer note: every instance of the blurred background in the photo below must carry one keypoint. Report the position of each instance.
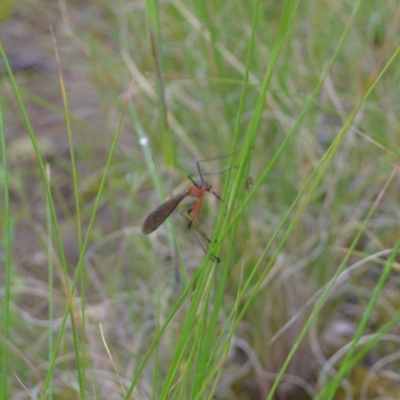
(186, 84)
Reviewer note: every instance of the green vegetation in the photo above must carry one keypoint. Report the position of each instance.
(303, 303)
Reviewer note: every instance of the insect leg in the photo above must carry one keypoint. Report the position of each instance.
(190, 213)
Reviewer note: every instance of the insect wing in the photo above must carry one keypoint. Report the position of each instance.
(160, 214)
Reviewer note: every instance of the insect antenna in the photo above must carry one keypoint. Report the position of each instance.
(211, 159)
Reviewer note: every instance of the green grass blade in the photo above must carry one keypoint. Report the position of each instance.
(7, 257)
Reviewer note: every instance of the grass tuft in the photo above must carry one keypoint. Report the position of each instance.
(107, 121)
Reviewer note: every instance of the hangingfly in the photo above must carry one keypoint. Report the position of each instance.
(160, 214)
(198, 190)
